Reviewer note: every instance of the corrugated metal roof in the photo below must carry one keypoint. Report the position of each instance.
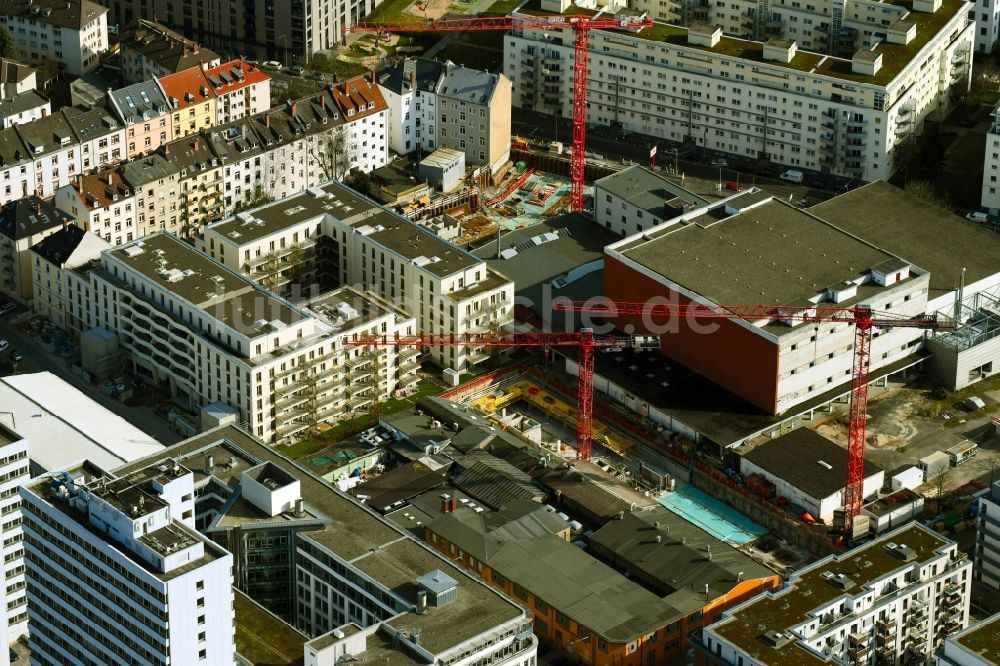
(64, 426)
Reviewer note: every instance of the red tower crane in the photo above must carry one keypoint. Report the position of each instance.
(581, 26)
(864, 319)
(584, 340)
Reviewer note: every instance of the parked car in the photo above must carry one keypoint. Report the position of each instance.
(819, 185)
(720, 162)
(977, 216)
(112, 29)
(271, 64)
(296, 70)
(792, 176)
(253, 62)
(3, 345)
(733, 186)
(767, 171)
(16, 356)
(6, 307)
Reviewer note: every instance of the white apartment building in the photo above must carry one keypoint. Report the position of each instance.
(52, 153)
(986, 15)
(327, 565)
(635, 199)
(16, 78)
(436, 104)
(148, 589)
(991, 165)
(320, 138)
(244, 161)
(56, 425)
(987, 554)
(71, 32)
(894, 598)
(757, 99)
(14, 471)
(208, 335)
(365, 245)
(67, 249)
(99, 136)
(23, 108)
(240, 90)
(101, 203)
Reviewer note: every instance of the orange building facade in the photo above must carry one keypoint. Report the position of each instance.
(555, 628)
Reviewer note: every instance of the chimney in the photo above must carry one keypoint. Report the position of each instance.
(196, 144)
(445, 506)
(195, 48)
(38, 207)
(454, 504)
(209, 464)
(298, 507)
(322, 101)
(292, 111)
(267, 119)
(166, 148)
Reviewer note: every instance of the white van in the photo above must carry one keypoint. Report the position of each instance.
(978, 216)
(792, 176)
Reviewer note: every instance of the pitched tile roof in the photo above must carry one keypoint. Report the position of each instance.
(187, 87)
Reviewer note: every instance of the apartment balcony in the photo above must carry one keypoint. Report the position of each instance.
(289, 401)
(746, 21)
(409, 366)
(858, 652)
(408, 352)
(359, 402)
(477, 355)
(357, 362)
(408, 380)
(885, 627)
(951, 627)
(290, 428)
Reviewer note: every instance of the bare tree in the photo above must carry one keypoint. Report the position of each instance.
(333, 154)
(923, 189)
(940, 484)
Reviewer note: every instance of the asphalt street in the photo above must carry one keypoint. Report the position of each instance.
(38, 360)
(635, 148)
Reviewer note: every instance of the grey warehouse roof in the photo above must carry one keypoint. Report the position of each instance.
(807, 460)
(649, 192)
(931, 237)
(772, 253)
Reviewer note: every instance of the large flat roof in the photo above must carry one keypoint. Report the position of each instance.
(820, 464)
(355, 534)
(64, 426)
(930, 236)
(981, 639)
(175, 532)
(583, 588)
(264, 638)
(675, 555)
(176, 267)
(772, 253)
(394, 232)
(808, 590)
(895, 57)
(648, 191)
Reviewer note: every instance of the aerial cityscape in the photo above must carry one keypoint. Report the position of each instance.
(500, 332)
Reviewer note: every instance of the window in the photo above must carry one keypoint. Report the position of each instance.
(541, 606)
(498, 578)
(520, 592)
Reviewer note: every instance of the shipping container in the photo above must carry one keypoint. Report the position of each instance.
(959, 453)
